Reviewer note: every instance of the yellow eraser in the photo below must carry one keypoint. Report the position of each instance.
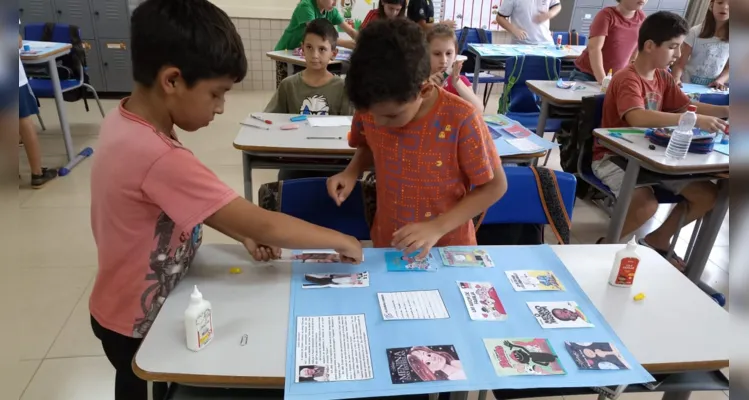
(639, 296)
(235, 270)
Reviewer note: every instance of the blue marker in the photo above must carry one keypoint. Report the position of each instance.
(299, 118)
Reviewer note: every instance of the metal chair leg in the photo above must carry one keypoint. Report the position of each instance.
(41, 121)
(96, 97)
(548, 153)
(695, 232)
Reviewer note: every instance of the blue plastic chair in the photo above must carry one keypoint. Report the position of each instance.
(43, 87)
(308, 200)
(718, 99)
(522, 201)
(517, 101)
(472, 36)
(582, 40)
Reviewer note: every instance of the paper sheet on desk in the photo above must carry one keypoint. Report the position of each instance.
(524, 144)
(329, 121)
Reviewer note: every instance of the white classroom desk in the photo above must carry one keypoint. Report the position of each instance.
(276, 149)
(705, 166)
(48, 53)
(666, 332)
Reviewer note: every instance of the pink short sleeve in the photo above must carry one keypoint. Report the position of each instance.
(185, 189)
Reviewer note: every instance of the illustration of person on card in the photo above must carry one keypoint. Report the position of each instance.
(336, 280)
(523, 357)
(560, 314)
(425, 364)
(317, 257)
(313, 373)
(596, 356)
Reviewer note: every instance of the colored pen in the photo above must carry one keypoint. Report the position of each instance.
(254, 126)
(267, 121)
(323, 137)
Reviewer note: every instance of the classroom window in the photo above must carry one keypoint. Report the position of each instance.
(470, 13)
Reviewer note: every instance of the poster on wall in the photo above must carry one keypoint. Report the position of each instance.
(354, 11)
(473, 14)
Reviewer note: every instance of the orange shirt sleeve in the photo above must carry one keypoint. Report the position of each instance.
(356, 137)
(477, 154)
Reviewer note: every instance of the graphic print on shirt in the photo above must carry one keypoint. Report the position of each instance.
(653, 101)
(315, 105)
(712, 64)
(168, 267)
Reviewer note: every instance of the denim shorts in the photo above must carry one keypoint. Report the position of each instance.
(577, 75)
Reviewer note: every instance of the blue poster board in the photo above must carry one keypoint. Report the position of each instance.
(496, 125)
(510, 50)
(466, 336)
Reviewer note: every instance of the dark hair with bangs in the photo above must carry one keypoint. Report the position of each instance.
(381, 8)
(661, 27)
(710, 26)
(193, 35)
(323, 28)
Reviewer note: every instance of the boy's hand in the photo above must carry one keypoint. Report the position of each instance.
(457, 67)
(520, 34)
(261, 252)
(419, 236)
(437, 78)
(710, 124)
(340, 186)
(719, 84)
(351, 251)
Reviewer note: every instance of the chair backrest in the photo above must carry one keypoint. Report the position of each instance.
(718, 99)
(521, 204)
(589, 119)
(582, 40)
(472, 35)
(516, 96)
(60, 33)
(308, 199)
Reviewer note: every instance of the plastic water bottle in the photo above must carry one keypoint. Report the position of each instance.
(681, 137)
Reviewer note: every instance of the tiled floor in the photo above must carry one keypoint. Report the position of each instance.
(57, 356)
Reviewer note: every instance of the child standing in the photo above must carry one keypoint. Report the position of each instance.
(428, 148)
(386, 9)
(443, 46)
(704, 54)
(305, 12)
(645, 94)
(26, 110)
(150, 195)
(314, 91)
(528, 20)
(612, 43)
(422, 12)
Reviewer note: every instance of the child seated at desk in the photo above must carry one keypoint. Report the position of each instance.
(612, 43)
(386, 9)
(644, 94)
(528, 20)
(305, 12)
(704, 53)
(443, 47)
(150, 195)
(428, 148)
(314, 91)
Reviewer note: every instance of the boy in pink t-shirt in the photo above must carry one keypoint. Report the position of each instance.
(150, 195)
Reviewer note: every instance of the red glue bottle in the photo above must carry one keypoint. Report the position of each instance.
(625, 265)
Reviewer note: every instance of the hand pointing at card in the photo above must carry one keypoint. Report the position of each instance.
(419, 236)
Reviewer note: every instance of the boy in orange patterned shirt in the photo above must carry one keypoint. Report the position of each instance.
(429, 147)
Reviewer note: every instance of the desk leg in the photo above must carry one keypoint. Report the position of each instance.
(542, 117)
(459, 396)
(476, 72)
(59, 102)
(708, 232)
(289, 69)
(247, 174)
(622, 202)
(676, 395)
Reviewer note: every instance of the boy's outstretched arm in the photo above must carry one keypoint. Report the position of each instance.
(246, 220)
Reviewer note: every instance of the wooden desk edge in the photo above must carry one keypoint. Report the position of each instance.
(294, 150)
(541, 93)
(279, 382)
(54, 52)
(660, 167)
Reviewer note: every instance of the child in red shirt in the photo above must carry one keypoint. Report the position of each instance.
(386, 9)
(645, 94)
(612, 43)
(443, 47)
(435, 161)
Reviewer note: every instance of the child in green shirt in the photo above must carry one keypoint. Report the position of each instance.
(304, 13)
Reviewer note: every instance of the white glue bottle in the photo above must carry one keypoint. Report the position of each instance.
(606, 81)
(198, 321)
(626, 261)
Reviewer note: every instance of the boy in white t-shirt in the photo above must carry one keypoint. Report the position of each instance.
(528, 19)
(27, 108)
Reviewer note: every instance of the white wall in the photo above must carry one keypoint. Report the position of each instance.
(264, 9)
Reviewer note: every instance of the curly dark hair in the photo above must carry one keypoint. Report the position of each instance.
(390, 63)
(193, 35)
